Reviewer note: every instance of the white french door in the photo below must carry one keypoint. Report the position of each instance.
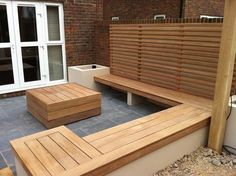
(32, 51)
(8, 64)
(29, 43)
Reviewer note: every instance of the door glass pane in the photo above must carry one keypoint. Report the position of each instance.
(4, 32)
(53, 23)
(27, 23)
(55, 63)
(6, 69)
(30, 56)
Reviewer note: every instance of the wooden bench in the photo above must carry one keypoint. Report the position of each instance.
(159, 94)
(104, 152)
(57, 105)
(59, 152)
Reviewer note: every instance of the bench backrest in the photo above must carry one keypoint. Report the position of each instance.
(178, 56)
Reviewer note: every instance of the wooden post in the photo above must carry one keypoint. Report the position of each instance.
(224, 77)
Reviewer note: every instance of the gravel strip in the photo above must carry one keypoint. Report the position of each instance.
(202, 162)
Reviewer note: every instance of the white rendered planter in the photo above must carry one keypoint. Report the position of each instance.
(84, 75)
(230, 132)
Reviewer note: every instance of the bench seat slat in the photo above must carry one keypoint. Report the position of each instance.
(125, 126)
(158, 119)
(170, 121)
(57, 152)
(72, 150)
(47, 160)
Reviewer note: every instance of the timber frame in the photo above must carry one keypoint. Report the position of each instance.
(224, 77)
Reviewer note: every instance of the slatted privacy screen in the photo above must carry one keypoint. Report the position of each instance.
(179, 56)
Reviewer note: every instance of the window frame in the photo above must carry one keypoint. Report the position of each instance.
(60, 42)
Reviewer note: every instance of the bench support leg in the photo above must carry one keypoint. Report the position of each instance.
(133, 99)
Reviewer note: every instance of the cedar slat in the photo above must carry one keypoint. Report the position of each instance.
(179, 56)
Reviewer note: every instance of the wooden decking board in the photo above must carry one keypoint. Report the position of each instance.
(50, 95)
(57, 152)
(31, 164)
(125, 126)
(66, 93)
(119, 142)
(40, 96)
(83, 89)
(72, 150)
(74, 93)
(72, 103)
(79, 91)
(46, 158)
(67, 119)
(73, 110)
(81, 143)
(158, 120)
(57, 93)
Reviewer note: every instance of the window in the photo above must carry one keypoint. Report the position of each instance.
(55, 44)
(4, 31)
(55, 62)
(158, 17)
(53, 23)
(209, 17)
(115, 18)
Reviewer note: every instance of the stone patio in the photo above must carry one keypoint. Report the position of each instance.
(16, 122)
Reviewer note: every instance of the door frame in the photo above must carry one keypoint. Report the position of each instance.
(11, 45)
(61, 42)
(43, 43)
(39, 43)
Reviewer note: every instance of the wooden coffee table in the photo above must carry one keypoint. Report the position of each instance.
(57, 105)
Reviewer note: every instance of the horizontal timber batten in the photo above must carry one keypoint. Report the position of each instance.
(186, 54)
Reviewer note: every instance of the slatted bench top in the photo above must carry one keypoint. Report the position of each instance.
(160, 94)
(150, 128)
(59, 152)
(62, 104)
(53, 152)
(62, 95)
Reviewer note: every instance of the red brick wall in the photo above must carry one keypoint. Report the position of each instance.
(79, 17)
(128, 9)
(79, 28)
(141, 9)
(101, 43)
(195, 8)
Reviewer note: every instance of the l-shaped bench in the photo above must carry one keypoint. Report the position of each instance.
(59, 152)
